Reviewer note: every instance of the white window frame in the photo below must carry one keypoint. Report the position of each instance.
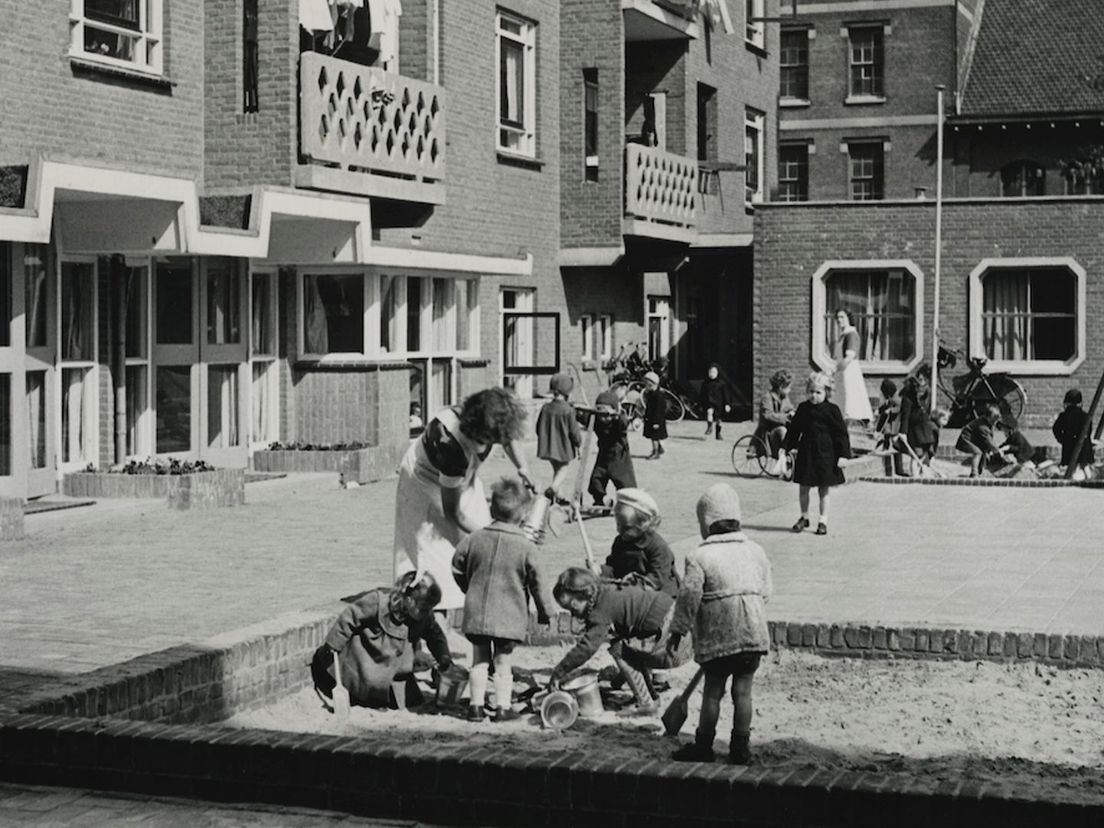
(821, 354)
(754, 121)
(783, 52)
(526, 134)
(663, 314)
(863, 97)
(90, 425)
(852, 178)
(605, 334)
(144, 428)
(1037, 367)
(786, 166)
(149, 43)
(755, 33)
(372, 313)
(586, 329)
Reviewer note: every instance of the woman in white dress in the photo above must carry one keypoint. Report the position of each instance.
(439, 498)
(849, 387)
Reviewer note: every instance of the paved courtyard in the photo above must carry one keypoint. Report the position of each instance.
(92, 586)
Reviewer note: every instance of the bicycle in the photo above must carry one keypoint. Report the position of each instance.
(628, 369)
(751, 457)
(968, 393)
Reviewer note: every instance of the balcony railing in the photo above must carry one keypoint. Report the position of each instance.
(364, 120)
(660, 186)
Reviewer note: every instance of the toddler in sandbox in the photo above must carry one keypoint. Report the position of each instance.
(725, 589)
(497, 570)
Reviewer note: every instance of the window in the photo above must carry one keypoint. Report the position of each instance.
(659, 327)
(866, 62)
(263, 373)
(794, 65)
(223, 301)
(586, 331)
(137, 362)
(1021, 179)
(1028, 313)
(516, 42)
(123, 32)
(884, 300)
(753, 154)
(250, 56)
(371, 315)
(793, 172)
(605, 336)
(590, 123)
(755, 32)
(78, 359)
(867, 170)
(707, 123)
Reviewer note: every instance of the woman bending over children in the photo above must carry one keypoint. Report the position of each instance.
(728, 582)
(819, 436)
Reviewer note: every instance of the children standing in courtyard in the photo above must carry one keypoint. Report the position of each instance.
(728, 582)
(497, 569)
(558, 434)
(819, 435)
(714, 400)
(886, 426)
(614, 462)
(1067, 427)
(655, 414)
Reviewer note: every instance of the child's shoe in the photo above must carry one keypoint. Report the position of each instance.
(505, 714)
(475, 714)
(699, 750)
(801, 525)
(739, 752)
(718, 431)
(822, 528)
(708, 428)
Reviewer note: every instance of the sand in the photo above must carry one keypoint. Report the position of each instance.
(1037, 729)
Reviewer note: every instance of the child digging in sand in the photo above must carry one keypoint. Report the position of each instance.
(728, 582)
(497, 569)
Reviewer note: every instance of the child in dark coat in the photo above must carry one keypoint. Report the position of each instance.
(558, 433)
(496, 567)
(714, 399)
(1067, 428)
(614, 462)
(976, 439)
(819, 436)
(639, 554)
(655, 414)
(886, 425)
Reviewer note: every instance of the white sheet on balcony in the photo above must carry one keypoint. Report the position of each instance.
(314, 16)
(385, 15)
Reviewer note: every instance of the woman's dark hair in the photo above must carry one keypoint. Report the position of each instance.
(577, 583)
(846, 313)
(780, 379)
(493, 415)
(1073, 397)
(724, 527)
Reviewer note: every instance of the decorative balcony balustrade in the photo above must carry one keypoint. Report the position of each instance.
(660, 186)
(365, 120)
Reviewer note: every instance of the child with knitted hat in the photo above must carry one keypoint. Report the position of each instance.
(558, 432)
(723, 597)
(639, 554)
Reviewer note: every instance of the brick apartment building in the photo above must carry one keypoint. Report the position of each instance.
(238, 221)
(853, 221)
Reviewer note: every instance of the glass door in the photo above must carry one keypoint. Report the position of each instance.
(176, 357)
(265, 389)
(79, 409)
(224, 362)
(38, 387)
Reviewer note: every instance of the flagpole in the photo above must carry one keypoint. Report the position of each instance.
(938, 241)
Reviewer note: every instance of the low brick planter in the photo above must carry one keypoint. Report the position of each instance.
(198, 490)
(11, 518)
(365, 465)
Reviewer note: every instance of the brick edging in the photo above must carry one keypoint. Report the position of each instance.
(985, 481)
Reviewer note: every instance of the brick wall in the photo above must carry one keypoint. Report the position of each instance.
(792, 241)
(92, 117)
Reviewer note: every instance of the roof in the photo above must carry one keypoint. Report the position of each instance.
(1037, 57)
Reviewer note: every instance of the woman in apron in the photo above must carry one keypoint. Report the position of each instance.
(849, 387)
(439, 498)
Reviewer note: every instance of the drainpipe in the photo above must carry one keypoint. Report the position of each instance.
(118, 353)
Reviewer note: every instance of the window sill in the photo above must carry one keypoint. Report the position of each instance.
(351, 362)
(473, 362)
(85, 64)
(863, 100)
(793, 103)
(871, 368)
(513, 159)
(1034, 368)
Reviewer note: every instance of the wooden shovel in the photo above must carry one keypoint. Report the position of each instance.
(674, 717)
(341, 702)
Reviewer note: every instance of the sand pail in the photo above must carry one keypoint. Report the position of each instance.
(558, 710)
(585, 690)
(451, 685)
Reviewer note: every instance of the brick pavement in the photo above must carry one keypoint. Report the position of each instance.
(94, 586)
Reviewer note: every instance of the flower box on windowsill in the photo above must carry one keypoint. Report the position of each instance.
(190, 490)
(358, 464)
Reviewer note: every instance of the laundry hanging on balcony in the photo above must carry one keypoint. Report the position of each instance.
(384, 20)
(715, 11)
(314, 16)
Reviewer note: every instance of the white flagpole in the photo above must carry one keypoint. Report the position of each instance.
(938, 241)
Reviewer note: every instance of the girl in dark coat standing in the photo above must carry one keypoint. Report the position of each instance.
(819, 435)
(914, 422)
(714, 399)
(655, 414)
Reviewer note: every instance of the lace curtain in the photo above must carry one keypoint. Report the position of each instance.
(882, 310)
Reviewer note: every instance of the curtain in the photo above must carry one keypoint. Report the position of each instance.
(261, 402)
(222, 406)
(511, 104)
(36, 418)
(389, 313)
(72, 409)
(34, 269)
(1005, 314)
(881, 309)
(75, 292)
(316, 334)
(261, 321)
(442, 336)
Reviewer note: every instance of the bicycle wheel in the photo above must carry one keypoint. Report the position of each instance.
(749, 456)
(675, 410)
(1004, 391)
(634, 413)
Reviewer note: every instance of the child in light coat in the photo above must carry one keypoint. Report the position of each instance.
(723, 598)
(558, 432)
(496, 567)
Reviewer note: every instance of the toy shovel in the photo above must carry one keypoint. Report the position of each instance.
(341, 693)
(674, 717)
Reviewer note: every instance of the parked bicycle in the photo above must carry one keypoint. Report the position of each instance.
(968, 393)
(628, 369)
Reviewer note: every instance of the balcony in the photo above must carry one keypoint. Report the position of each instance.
(660, 20)
(661, 191)
(369, 132)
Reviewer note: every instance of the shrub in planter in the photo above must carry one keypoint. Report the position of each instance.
(185, 484)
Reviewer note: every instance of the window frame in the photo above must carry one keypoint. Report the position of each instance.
(1021, 166)
(1035, 367)
(586, 330)
(801, 67)
(148, 35)
(822, 357)
(876, 63)
(605, 334)
(755, 34)
(372, 316)
(591, 130)
(877, 172)
(802, 182)
(755, 121)
(526, 130)
(89, 426)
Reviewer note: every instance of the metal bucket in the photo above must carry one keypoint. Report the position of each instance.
(558, 710)
(451, 685)
(585, 690)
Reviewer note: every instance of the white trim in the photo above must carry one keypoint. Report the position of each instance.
(586, 328)
(149, 46)
(758, 29)
(683, 26)
(590, 256)
(820, 355)
(440, 260)
(527, 39)
(854, 6)
(723, 240)
(858, 123)
(1039, 367)
(605, 336)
